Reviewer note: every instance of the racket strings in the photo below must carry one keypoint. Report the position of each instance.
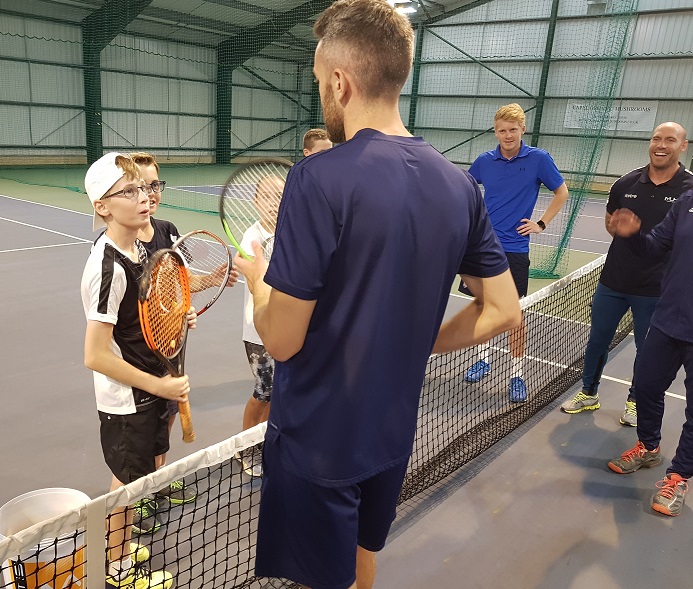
(166, 306)
(253, 194)
(208, 264)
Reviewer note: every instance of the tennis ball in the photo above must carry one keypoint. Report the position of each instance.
(173, 343)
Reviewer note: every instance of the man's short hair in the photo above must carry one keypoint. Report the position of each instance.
(371, 40)
(510, 112)
(313, 135)
(142, 158)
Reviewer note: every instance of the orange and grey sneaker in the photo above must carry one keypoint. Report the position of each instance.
(671, 496)
(635, 458)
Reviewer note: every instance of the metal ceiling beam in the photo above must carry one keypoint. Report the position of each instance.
(237, 4)
(237, 50)
(98, 30)
(464, 7)
(183, 19)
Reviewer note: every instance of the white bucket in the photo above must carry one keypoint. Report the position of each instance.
(51, 564)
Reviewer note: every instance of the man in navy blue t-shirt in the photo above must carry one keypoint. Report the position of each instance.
(512, 174)
(370, 236)
(667, 347)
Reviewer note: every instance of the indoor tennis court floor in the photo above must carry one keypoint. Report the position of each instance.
(540, 510)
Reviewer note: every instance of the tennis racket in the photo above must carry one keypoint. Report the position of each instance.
(208, 260)
(250, 198)
(164, 300)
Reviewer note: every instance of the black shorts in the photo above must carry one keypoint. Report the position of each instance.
(264, 377)
(519, 268)
(131, 442)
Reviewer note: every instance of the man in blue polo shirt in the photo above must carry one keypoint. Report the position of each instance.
(668, 345)
(370, 235)
(512, 174)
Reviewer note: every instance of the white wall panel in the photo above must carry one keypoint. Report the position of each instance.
(16, 129)
(662, 78)
(663, 34)
(57, 126)
(449, 78)
(12, 44)
(55, 84)
(19, 74)
(53, 42)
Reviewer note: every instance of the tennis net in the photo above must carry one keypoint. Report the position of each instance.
(210, 542)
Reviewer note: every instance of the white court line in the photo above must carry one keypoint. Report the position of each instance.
(565, 366)
(44, 229)
(40, 247)
(45, 205)
(628, 383)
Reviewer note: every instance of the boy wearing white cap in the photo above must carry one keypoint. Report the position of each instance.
(130, 383)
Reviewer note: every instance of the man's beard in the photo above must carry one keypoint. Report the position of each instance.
(334, 118)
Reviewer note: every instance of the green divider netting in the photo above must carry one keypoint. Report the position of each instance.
(205, 86)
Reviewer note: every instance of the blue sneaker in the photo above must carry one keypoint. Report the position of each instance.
(517, 390)
(477, 371)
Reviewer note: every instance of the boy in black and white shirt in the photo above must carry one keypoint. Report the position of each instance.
(130, 383)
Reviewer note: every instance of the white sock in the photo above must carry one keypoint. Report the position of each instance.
(119, 569)
(517, 367)
(484, 353)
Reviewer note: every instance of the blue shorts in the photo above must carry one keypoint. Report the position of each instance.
(308, 533)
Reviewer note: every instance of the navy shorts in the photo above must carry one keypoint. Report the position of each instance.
(131, 442)
(519, 268)
(308, 533)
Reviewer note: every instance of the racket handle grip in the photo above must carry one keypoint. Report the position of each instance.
(186, 422)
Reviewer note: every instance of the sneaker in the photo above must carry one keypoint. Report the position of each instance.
(630, 414)
(635, 458)
(138, 553)
(581, 402)
(251, 461)
(671, 496)
(178, 493)
(139, 578)
(517, 390)
(144, 517)
(477, 371)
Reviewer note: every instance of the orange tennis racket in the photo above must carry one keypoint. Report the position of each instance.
(164, 300)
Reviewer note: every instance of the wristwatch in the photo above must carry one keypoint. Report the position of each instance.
(541, 224)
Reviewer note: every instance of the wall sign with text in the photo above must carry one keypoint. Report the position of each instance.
(622, 115)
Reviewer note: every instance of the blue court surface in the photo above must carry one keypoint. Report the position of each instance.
(539, 510)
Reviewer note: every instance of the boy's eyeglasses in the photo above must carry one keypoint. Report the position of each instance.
(158, 185)
(131, 192)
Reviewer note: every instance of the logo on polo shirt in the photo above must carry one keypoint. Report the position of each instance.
(669, 199)
(690, 210)
(630, 196)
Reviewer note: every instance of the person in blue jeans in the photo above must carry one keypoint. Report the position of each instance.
(512, 175)
(667, 347)
(628, 281)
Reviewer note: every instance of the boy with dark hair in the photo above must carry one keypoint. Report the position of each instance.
(315, 141)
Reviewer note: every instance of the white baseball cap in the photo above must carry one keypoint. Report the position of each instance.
(100, 178)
